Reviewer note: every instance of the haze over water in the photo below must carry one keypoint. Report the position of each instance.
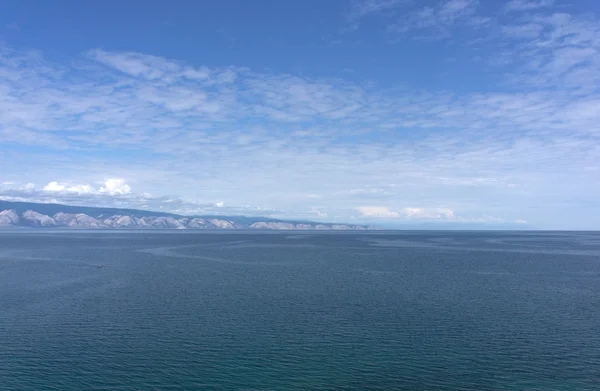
(299, 311)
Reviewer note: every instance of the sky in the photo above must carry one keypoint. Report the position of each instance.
(387, 112)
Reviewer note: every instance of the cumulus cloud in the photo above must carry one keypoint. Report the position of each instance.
(59, 187)
(407, 213)
(112, 186)
(377, 212)
(115, 186)
(54, 186)
(306, 141)
(117, 197)
(9, 185)
(428, 213)
(319, 213)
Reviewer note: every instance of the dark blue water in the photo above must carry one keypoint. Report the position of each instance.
(287, 311)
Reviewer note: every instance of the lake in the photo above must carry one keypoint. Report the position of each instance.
(248, 310)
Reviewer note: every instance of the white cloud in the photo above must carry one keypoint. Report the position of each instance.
(60, 187)
(528, 30)
(452, 10)
(135, 64)
(115, 186)
(428, 213)
(412, 213)
(318, 213)
(498, 151)
(557, 50)
(13, 185)
(434, 22)
(377, 212)
(54, 186)
(55, 192)
(362, 8)
(183, 115)
(527, 5)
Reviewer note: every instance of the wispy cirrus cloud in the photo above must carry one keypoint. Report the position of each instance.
(235, 140)
(527, 5)
(436, 21)
(540, 44)
(557, 50)
(362, 8)
(126, 110)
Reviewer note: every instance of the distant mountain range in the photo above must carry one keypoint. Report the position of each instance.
(36, 215)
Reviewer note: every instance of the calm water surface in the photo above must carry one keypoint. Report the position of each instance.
(299, 311)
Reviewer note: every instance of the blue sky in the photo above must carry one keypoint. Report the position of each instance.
(390, 112)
